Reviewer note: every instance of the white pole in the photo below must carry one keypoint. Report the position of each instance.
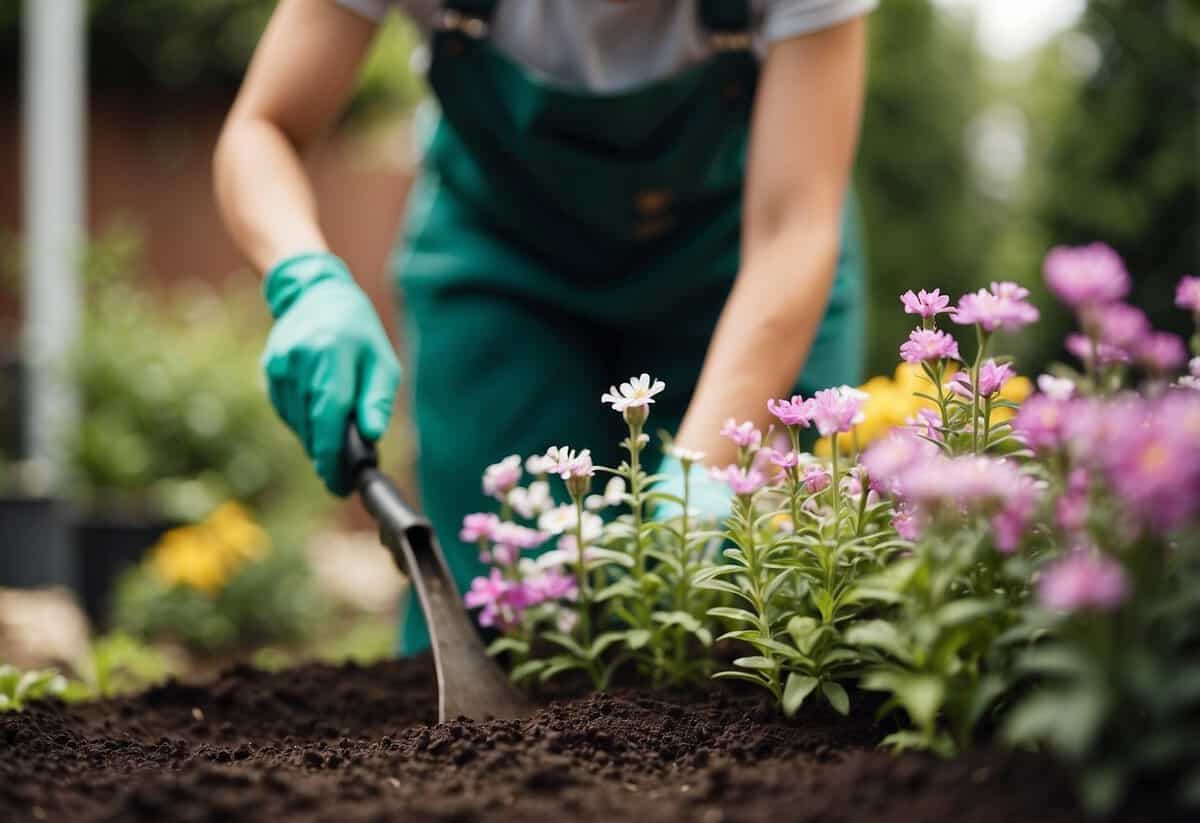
(53, 104)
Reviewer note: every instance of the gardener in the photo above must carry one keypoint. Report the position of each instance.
(608, 188)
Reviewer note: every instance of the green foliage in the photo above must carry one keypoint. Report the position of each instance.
(269, 601)
(199, 47)
(1120, 160)
(119, 663)
(174, 416)
(17, 687)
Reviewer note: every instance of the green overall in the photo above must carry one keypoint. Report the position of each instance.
(559, 242)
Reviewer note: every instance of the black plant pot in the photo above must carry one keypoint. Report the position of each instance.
(107, 547)
(36, 543)
(13, 445)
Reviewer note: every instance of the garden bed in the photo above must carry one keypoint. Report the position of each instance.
(360, 743)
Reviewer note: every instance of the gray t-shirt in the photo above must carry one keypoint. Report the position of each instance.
(608, 46)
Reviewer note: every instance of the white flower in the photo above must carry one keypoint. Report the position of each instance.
(561, 519)
(1056, 388)
(638, 392)
(685, 455)
(539, 464)
(532, 501)
(1189, 382)
(614, 493)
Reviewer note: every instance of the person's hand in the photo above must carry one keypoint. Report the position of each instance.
(707, 497)
(327, 357)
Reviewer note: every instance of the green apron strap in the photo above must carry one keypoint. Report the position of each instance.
(725, 16)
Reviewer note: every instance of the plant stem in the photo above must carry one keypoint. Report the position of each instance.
(585, 594)
(837, 494)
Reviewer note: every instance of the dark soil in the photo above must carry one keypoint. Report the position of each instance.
(352, 743)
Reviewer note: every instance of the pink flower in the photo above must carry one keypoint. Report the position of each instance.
(927, 422)
(887, 460)
(1086, 275)
(784, 460)
(1083, 579)
(1162, 352)
(992, 377)
(1003, 307)
(925, 303)
(500, 600)
(1154, 463)
(794, 412)
(1040, 422)
(551, 584)
(478, 526)
(744, 434)
(838, 410)
(568, 463)
(929, 344)
(638, 392)
(906, 523)
(816, 478)
(499, 478)
(1117, 324)
(743, 482)
(1070, 512)
(1187, 294)
(1107, 354)
(519, 537)
(1014, 518)
(852, 484)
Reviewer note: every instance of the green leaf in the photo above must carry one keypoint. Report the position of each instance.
(907, 740)
(921, 695)
(836, 695)
(567, 642)
(747, 676)
(558, 665)
(721, 586)
(804, 632)
(797, 688)
(507, 644)
(1054, 661)
(756, 662)
(625, 587)
(731, 613)
(602, 642)
(960, 612)
(637, 638)
(1070, 719)
(524, 670)
(687, 621)
(1102, 788)
(881, 635)
(706, 574)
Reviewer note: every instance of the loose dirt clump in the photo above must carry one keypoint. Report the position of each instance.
(354, 743)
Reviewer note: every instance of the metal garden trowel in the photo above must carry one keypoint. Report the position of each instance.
(470, 684)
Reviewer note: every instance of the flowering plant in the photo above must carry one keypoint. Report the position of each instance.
(984, 557)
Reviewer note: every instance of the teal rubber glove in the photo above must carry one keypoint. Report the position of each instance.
(707, 497)
(327, 358)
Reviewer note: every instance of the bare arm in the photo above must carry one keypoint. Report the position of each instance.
(301, 76)
(804, 135)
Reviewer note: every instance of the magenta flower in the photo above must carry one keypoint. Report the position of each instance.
(887, 460)
(794, 412)
(1162, 352)
(838, 410)
(478, 526)
(1155, 468)
(1107, 354)
(745, 435)
(1004, 307)
(1086, 275)
(551, 584)
(743, 482)
(1187, 294)
(852, 484)
(925, 303)
(927, 422)
(992, 377)
(929, 344)
(500, 478)
(816, 478)
(1040, 422)
(1083, 579)
(1011, 523)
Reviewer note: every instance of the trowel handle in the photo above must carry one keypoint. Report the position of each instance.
(379, 494)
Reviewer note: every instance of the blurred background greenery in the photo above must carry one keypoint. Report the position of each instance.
(977, 154)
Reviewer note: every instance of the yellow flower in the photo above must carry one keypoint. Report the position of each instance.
(890, 403)
(185, 557)
(206, 555)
